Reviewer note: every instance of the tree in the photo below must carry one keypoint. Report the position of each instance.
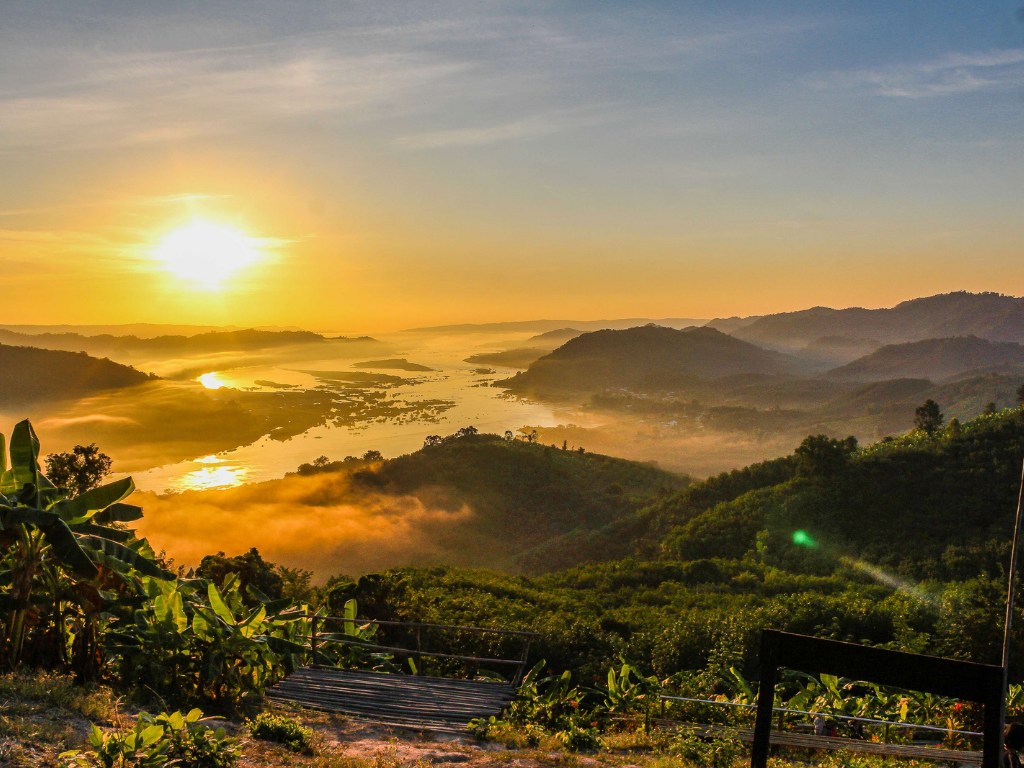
(372, 455)
(928, 418)
(321, 461)
(990, 408)
(1020, 395)
(823, 456)
(78, 471)
(251, 569)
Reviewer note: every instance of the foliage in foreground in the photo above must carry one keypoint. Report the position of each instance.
(282, 730)
(157, 740)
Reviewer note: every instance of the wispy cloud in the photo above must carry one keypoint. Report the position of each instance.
(951, 74)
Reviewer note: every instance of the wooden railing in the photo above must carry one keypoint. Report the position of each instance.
(316, 640)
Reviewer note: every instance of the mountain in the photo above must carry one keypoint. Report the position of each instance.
(991, 316)
(553, 339)
(552, 325)
(646, 356)
(30, 375)
(202, 343)
(933, 359)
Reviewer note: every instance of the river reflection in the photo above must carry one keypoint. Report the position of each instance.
(466, 392)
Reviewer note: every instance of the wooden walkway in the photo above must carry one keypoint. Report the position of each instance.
(403, 701)
(810, 741)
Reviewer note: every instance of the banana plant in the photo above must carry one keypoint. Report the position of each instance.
(41, 530)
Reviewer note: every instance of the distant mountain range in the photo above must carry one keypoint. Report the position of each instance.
(542, 326)
(935, 359)
(202, 343)
(991, 316)
(30, 375)
(641, 356)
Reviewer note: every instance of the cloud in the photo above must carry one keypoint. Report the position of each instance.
(322, 522)
(517, 130)
(951, 74)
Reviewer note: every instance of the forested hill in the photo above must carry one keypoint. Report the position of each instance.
(522, 495)
(902, 544)
(934, 359)
(636, 357)
(30, 375)
(988, 315)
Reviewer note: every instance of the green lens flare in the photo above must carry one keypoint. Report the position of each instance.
(803, 539)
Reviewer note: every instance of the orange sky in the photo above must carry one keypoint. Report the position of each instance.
(473, 165)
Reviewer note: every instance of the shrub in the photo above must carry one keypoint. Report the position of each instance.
(281, 730)
(158, 740)
(577, 739)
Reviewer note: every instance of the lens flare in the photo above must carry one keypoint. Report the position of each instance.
(804, 539)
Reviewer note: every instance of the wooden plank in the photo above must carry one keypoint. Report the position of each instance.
(405, 700)
(382, 710)
(397, 705)
(370, 688)
(405, 681)
(812, 741)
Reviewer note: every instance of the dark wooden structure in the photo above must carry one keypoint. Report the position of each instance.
(401, 700)
(810, 741)
(981, 683)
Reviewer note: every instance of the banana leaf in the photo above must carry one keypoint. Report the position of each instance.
(24, 454)
(118, 512)
(219, 606)
(125, 555)
(95, 499)
(114, 534)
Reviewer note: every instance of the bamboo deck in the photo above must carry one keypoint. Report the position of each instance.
(403, 701)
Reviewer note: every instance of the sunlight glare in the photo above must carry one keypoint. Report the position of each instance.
(206, 254)
(211, 381)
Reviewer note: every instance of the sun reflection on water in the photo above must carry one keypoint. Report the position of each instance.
(212, 476)
(211, 381)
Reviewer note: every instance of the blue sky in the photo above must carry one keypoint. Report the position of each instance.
(484, 160)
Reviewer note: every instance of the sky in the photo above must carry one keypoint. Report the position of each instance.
(383, 165)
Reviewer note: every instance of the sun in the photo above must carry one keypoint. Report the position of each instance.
(206, 254)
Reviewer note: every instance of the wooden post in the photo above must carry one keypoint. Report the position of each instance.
(781, 716)
(885, 736)
(993, 747)
(765, 702)
(419, 647)
(312, 640)
(1011, 589)
(522, 665)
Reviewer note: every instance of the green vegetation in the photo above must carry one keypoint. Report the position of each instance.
(281, 730)
(534, 502)
(156, 740)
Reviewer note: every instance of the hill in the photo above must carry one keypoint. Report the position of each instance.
(524, 496)
(933, 359)
(991, 316)
(539, 326)
(29, 375)
(902, 544)
(644, 356)
(161, 346)
(553, 339)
